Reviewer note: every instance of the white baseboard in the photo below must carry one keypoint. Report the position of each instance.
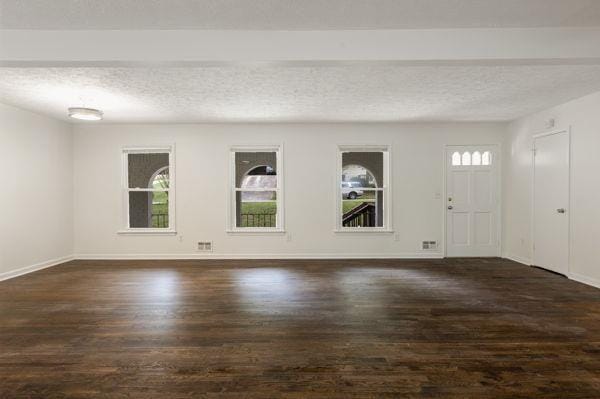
(218, 256)
(518, 259)
(34, 267)
(594, 282)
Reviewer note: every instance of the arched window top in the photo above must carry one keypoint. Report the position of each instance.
(263, 170)
(475, 158)
(486, 159)
(359, 176)
(263, 176)
(466, 158)
(456, 159)
(160, 179)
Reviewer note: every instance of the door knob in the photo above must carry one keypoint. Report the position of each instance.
(450, 207)
(561, 210)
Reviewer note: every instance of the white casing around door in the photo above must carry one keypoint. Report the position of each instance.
(551, 201)
(472, 201)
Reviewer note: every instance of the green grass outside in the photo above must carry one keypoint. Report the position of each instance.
(347, 205)
(161, 206)
(271, 207)
(259, 207)
(368, 195)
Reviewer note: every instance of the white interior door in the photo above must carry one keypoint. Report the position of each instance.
(472, 201)
(551, 202)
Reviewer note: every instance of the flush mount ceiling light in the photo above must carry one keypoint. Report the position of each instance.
(86, 114)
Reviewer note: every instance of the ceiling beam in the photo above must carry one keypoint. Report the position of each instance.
(23, 48)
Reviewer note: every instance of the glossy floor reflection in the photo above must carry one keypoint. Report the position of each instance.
(478, 328)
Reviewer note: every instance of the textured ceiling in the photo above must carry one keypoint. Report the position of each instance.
(366, 92)
(295, 14)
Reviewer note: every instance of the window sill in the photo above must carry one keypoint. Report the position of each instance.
(148, 232)
(367, 230)
(254, 231)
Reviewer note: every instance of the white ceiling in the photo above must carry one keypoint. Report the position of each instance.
(361, 92)
(296, 14)
(466, 88)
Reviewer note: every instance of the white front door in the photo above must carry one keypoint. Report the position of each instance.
(551, 202)
(472, 201)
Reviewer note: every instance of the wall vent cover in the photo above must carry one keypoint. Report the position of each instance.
(205, 246)
(429, 245)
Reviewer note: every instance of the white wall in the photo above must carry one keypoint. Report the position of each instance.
(309, 164)
(36, 164)
(582, 115)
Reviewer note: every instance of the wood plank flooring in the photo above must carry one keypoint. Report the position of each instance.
(463, 328)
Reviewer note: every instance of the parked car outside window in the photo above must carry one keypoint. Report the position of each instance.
(349, 190)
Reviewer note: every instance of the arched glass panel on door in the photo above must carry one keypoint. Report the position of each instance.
(486, 159)
(466, 158)
(476, 158)
(456, 159)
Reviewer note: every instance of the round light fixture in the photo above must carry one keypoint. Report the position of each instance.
(86, 114)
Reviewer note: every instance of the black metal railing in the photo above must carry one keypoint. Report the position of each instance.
(258, 220)
(361, 216)
(160, 220)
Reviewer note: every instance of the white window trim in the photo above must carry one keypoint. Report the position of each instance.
(125, 151)
(231, 213)
(387, 188)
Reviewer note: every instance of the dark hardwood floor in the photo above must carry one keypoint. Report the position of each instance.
(479, 328)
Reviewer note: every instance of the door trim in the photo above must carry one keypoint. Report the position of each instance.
(497, 158)
(536, 136)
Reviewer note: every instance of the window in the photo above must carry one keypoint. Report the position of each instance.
(466, 158)
(456, 159)
(476, 159)
(148, 190)
(486, 159)
(363, 199)
(257, 203)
